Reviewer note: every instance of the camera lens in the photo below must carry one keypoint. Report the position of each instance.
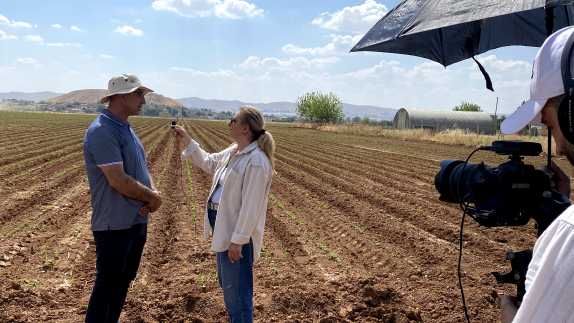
(448, 178)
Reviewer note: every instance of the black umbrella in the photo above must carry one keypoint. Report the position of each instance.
(449, 31)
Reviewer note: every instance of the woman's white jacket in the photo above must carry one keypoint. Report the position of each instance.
(243, 204)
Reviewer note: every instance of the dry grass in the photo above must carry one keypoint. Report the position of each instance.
(448, 137)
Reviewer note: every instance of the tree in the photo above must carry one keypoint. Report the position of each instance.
(151, 111)
(173, 111)
(356, 119)
(303, 105)
(318, 106)
(465, 106)
(366, 120)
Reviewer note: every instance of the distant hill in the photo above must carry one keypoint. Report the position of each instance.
(287, 108)
(82, 96)
(154, 98)
(94, 96)
(38, 96)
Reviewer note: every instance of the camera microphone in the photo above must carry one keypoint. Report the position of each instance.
(173, 124)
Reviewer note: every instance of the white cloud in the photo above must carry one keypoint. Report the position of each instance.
(27, 61)
(128, 31)
(383, 69)
(4, 20)
(73, 73)
(56, 26)
(20, 24)
(220, 72)
(3, 35)
(139, 21)
(231, 9)
(63, 44)
(106, 56)
(87, 55)
(514, 84)
(74, 28)
(294, 62)
(358, 19)
(388, 84)
(33, 38)
(251, 62)
(339, 45)
(502, 69)
(115, 20)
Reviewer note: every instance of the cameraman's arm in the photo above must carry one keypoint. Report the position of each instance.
(562, 184)
(508, 308)
(549, 282)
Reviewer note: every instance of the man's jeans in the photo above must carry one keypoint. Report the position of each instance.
(236, 280)
(118, 255)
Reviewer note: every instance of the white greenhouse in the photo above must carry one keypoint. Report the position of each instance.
(478, 122)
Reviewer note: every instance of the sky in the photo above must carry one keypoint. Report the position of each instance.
(252, 51)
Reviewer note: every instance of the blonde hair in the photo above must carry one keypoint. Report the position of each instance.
(254, 119)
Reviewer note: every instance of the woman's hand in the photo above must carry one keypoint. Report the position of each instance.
(181, 135)
(562, 184)
(234, 252)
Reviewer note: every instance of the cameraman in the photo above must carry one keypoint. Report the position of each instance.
(550, 279)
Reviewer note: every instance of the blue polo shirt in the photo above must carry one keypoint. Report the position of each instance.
(110, 141)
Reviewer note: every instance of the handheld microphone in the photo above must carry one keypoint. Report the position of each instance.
(173, 124)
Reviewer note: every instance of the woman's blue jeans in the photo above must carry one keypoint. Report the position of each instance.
(236, 280)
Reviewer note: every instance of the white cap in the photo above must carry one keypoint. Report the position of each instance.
(123, 83)
(546, 82)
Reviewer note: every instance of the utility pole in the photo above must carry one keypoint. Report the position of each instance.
(495, 117)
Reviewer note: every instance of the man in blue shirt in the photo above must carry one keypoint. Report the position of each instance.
(122, 196)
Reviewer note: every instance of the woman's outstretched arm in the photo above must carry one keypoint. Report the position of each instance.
(206, 161)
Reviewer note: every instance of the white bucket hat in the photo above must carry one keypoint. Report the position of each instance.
(123, 83)
(545, 83)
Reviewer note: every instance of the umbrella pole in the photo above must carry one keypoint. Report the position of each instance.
(549, 20)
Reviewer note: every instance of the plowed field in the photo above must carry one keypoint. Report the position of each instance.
(355, 231)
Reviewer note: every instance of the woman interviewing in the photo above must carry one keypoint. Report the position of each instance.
(237, 204)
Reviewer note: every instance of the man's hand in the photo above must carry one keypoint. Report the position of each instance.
(146, 208)
(508, 308)
(155, 202)
(181, 135)
(234, 252)
(562, 184)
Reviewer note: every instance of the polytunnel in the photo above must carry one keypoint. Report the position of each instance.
(478, 122)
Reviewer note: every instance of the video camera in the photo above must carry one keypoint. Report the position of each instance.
(508, 195)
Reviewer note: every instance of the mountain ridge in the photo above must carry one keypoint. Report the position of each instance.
(34, 96)
(93, 96)
(286, 108)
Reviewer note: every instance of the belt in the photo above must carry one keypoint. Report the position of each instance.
(212, 206)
